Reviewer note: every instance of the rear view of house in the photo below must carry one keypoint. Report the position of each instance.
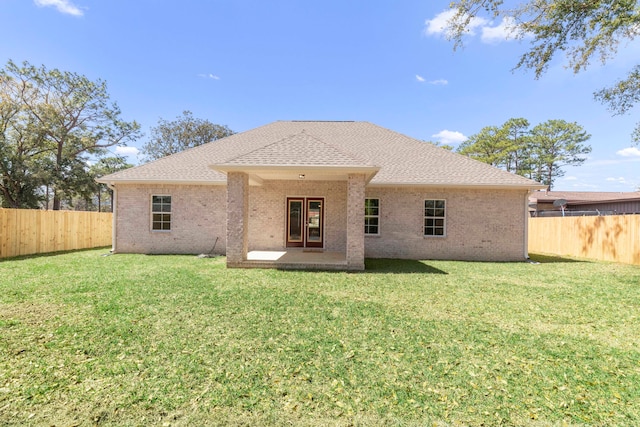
(348, 189)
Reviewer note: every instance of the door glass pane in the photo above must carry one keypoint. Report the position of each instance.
(295, 220)
(314, 221)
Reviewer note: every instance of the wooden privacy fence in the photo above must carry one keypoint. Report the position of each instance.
(30, 231)
(608, 238)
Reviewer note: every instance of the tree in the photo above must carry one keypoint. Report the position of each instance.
(488, 146)
(71, 117)
(581, 29)
(516, 133)
(106, 166)
(557, 143)
(170, 137)
(22, 150)
(539, 153)
(441, 145)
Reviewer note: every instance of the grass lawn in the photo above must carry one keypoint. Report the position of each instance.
(87, 339)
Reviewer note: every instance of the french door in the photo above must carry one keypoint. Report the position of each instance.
(305, 222)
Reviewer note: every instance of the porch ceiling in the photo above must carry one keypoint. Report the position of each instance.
(259, 173)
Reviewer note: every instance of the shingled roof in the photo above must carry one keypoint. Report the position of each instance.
(398, 159)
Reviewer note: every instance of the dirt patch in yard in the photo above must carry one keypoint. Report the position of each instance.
(28, 313)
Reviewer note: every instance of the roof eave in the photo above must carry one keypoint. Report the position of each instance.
(225, 168)
(369, 171)
(146, 181)
(460, 186)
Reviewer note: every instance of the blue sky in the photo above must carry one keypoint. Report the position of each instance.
(245, 63)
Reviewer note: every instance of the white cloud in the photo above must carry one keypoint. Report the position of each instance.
(63, 6)
(209, 76)
(506, 30)
(489, 33)
(629, 152)
(437, 82)
(570, 178)
(621, 180)
(438, 25)
(450, 137)
(127, 151)
(585, 185)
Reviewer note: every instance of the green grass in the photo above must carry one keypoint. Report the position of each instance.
(177, 340)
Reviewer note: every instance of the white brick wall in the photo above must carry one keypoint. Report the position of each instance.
(267, 218)
(482, 225)
(199, 216)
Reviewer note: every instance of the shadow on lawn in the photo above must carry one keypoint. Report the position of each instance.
(399, 266)
(53, 254)
(553, 259)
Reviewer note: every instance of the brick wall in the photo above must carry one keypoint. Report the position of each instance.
(199, 216)
(267, 217)
(355, 221)
(237, 217)
(480, 225)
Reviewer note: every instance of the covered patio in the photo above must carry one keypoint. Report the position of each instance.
(299, 171)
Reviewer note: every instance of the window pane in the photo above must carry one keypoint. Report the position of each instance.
(371, 206)
(371, 212)
(371, 225)
(434, 214)
(161, 212)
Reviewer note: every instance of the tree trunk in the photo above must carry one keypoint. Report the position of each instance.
(56, 196)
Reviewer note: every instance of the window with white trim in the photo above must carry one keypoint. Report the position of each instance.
(161, 213)
(434, 218)
(371, 216)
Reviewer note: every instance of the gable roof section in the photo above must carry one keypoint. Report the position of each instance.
(294, 155)
(300, 149)
(288, 144)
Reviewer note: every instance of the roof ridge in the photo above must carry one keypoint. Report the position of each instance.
(320, 121)
(341, 150)
(262, 147)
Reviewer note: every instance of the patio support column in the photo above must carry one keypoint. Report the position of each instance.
(237, 218)
(355, 221)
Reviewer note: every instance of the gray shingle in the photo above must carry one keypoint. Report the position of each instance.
(402, 160)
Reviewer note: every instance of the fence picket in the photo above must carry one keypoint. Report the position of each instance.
(31, 231)
(608, 238)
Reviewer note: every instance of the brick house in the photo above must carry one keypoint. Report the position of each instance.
(305, 194)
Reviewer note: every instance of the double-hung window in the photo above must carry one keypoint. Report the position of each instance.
(161, 213)
(372, 216)
(434, 218)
